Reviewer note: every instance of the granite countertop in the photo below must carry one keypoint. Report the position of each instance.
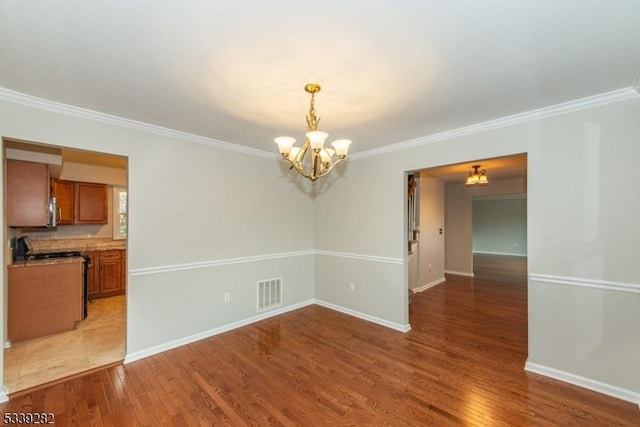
(80, 245)
(36, 262)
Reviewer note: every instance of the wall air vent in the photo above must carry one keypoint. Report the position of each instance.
(269, 294)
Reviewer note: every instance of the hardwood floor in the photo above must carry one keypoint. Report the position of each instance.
(461, 364)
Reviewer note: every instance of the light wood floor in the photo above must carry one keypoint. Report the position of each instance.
(461, 364)
(97, 341)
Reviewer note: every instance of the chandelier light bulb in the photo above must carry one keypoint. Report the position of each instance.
(316, 139)
(284, 144)
(342, 147)
(326, 154)
(293, 154)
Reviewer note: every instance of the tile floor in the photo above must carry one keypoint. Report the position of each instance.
(98, 340)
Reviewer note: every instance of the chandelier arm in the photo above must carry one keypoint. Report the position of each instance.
(297, 167)
(323, 168)
(305, 174)
(315, 156)
(333, 164)
(303, 150)
(310, 175)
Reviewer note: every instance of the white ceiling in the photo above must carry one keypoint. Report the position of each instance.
(391, 70)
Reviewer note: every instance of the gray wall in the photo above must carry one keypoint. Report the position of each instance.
(500, 225)
(205, 221)
(582, 235)
(431, 245)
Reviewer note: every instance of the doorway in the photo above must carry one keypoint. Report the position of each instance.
(507, 179)
(98, 339)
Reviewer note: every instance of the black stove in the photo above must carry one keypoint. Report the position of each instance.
(52, 255)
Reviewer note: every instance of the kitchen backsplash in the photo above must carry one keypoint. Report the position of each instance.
(63, 232)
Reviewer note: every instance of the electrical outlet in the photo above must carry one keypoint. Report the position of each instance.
(430, 268)
(352, 287)
(227, 297)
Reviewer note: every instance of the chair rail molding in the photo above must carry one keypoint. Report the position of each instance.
(586, 283)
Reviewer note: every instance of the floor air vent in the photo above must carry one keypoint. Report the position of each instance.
(269, 294)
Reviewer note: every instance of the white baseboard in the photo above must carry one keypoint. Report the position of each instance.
(499, 253)
(4, 397)
(429, 285)
(211, 332)
(458, 273)
(588, 383)
(216, 331)
(363, 316)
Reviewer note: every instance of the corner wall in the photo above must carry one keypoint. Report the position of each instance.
(203, 221)
(584, 282)
(431, 245)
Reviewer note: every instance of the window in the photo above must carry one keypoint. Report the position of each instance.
(119, 213)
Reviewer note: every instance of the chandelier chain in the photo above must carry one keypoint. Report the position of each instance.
(312, 120)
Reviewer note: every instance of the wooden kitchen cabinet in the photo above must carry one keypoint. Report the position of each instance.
(107, 276)
(27, 194)
(110, 273)
(43, 298)
(64, 192)
(93, 281)
(80, 202)
(91, 206)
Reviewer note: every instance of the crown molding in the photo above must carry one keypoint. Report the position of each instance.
(541, 113)
(528, 116)
(96, 116)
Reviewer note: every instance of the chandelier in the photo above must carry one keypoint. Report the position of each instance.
(321, 159)
(477, 177)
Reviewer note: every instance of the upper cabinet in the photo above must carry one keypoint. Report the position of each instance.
(80, 202)
(27, 194)
(91, 205)
(64, 192)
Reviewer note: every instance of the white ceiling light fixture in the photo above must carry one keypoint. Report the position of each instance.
(477, 177)
(321, 160)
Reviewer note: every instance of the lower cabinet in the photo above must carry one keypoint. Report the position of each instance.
(106, 276)
(92, 280)
(43, 298)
